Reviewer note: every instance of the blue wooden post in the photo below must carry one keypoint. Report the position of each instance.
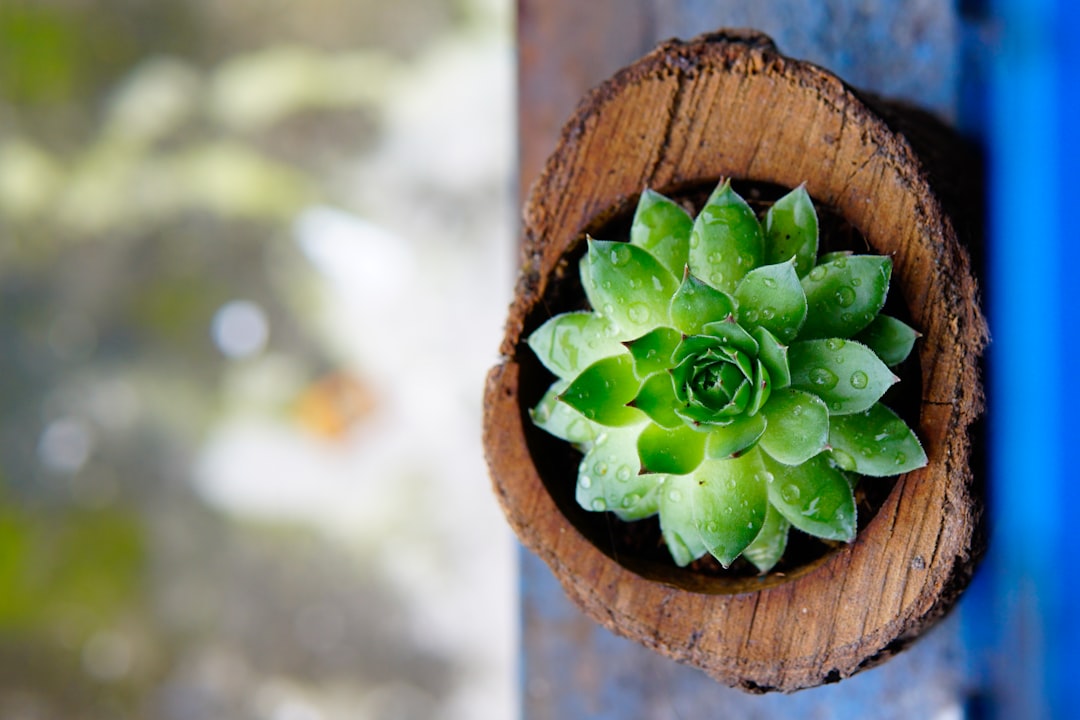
(1028, 630)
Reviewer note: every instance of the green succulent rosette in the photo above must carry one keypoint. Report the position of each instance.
(728, 378)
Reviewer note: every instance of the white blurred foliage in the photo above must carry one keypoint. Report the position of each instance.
(415, 296)
(259, 89)
(155, 100)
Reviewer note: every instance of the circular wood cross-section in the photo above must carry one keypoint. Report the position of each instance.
(728, 105)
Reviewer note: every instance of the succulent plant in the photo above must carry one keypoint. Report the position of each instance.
(727, 377)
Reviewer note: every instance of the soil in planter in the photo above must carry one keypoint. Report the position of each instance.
(639, 546)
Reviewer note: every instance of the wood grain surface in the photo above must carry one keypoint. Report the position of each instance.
(728, 105)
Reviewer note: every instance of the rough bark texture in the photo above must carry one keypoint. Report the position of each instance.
(687, 114)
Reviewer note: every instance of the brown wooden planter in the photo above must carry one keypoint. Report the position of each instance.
(687, 114)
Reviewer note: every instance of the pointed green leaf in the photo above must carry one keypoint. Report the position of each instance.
(609, 476)
(628, 285)
(768, 547)
(695, 304)
(877, 441)
(729, 503)
(730, 334)
(798, 426)
(844, 295)
(657, 400)
(890, 338)
(774, 356)
(814, 497)
(602, 390)
(676, 451)
(761, 388)
(772, 297)
(663, 228)
(568, 343)
(791, 231)
(726, 242)
(834, 255)
(560, 419)
(848, 376)
(724, 441)
(633, 506)
(677, 520)
(653, 351)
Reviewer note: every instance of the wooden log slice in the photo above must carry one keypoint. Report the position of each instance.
(684, 116)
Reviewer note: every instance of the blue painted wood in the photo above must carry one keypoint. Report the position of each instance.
(576, 669)
(1028, 630)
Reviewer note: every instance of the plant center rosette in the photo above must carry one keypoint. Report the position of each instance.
(727, 378)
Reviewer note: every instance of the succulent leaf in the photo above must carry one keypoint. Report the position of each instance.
(628, 285)
(567, 344)
(798, 426)
(772, 297)
(890, 338)
(844, 295)
(729, 501)
(730, 333)
(725, 441)
(561, 420)
(609, 476)
(601, 392)
(773, 356)
(761, 387)
(834, 255)
(676, 451)
(726, 241)
(696, 303)
(877, 443)
(768, 547)
(662, 227)
(657, 400)
(814, 497)
(653, 351)
(791, 231)
(677, 520)
(848, 376)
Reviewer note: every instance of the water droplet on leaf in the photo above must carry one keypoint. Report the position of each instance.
(859, 380)
(599, 504)
(818, 273)
(845, 296)
(639, 312)
(823, 378)
(790, 493)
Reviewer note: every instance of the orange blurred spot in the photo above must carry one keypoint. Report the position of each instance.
(333, 404)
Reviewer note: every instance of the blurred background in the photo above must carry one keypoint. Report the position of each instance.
(254, 260)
